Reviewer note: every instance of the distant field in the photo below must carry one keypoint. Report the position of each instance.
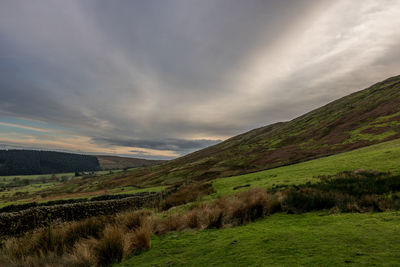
(310, 239)
(382, 157)
(49, 175)
(33, 191)
(38, 198)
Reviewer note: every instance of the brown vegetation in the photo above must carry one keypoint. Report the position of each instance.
(101, 241)
(14, 223)
(186, 194)
(115, 162)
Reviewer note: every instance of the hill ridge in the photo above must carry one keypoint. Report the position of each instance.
(359, 119)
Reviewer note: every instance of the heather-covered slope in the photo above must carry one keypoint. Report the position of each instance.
(115, 162)
(363, 118)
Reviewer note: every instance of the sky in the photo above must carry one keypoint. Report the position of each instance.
(159, 79)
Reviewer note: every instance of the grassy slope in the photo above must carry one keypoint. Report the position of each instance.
(316, 239)
(115, 162)
(382, 157)
(364, 118)
(286, 240)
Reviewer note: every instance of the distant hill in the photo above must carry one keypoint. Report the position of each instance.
(19, 162)
(25, 162)
(361, 119)
(115, 162)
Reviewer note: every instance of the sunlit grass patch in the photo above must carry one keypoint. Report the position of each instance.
(310, 239)
(381, 157)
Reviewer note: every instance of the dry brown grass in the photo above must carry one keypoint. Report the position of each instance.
(81, 255)
(110, 248)
(139, 239)
(102, 241)
(186, 194)
(133, 220)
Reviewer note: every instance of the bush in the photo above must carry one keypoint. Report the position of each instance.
(135, 219)
(91, 227)
(186, 194)
(110, 248)
(192, 219)
(308, 199)
(139, 240)
(214, 218)
(81, 255)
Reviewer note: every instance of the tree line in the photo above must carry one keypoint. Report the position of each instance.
(20, 162)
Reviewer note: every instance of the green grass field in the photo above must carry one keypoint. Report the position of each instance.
(49, 175)
(381, 157)
(316, 238)
(310, 239)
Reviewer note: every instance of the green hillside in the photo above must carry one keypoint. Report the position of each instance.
(363, 118)
(382, 157)
(315, 238)
(310, 239)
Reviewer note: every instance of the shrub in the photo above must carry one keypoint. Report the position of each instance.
(308, 199)
(192, 219)
(81, 255)
(186, 194)
(110, 248)
(252, 204)
(91, 227)
(214, 218)
(139, 240)
(173, 222)
(133, 220)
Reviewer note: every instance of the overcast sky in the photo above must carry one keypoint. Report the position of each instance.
(162, 78)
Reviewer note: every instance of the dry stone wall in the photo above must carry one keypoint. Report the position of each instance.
(14, 223)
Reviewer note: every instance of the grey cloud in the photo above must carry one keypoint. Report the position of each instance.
(179, 145)
(177, 74)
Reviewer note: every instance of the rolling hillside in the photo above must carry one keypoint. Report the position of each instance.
(361, 119)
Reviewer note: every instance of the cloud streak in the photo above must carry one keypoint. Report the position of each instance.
(166, 78)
